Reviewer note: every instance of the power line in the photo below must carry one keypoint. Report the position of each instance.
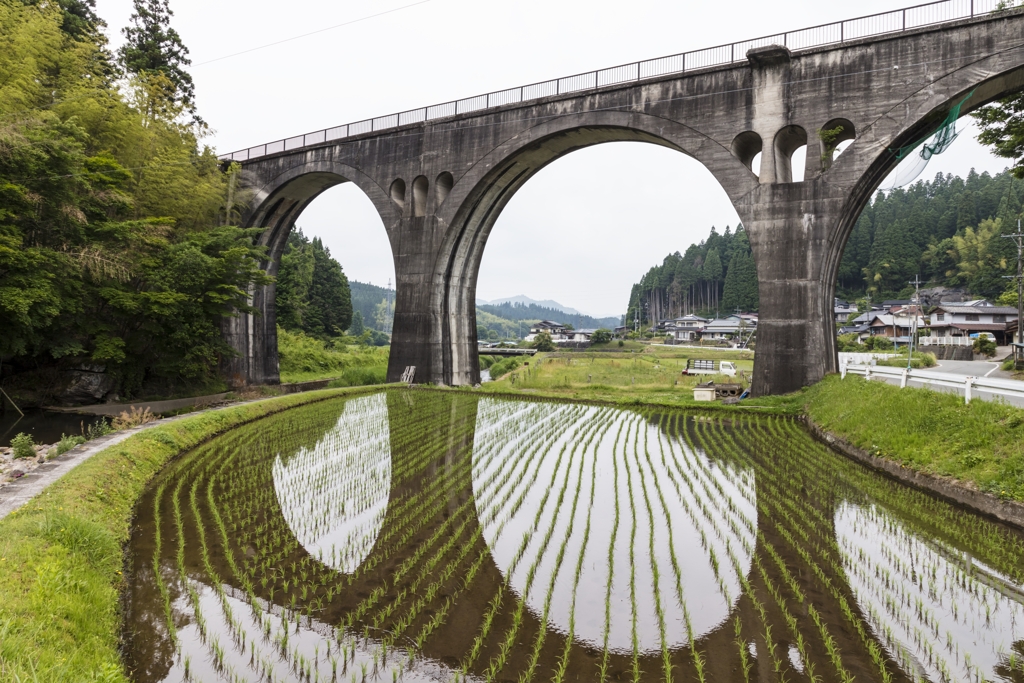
(312, 33)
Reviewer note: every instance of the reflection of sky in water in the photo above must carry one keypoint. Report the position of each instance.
(321, 650)
(334, 495)
(941, 614)
(645, 466)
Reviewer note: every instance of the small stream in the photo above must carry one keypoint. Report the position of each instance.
(43, 426)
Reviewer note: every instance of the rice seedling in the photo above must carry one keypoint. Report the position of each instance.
(361, 539)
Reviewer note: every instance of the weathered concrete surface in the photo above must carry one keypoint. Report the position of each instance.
(439, 186)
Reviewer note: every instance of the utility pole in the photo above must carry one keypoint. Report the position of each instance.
(1018, 238)
(913, 321)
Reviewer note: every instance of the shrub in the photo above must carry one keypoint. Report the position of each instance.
(66, 443)
(985, 346)
(23, 446)
(503, 367)
(96, 430)
(601, 336)
(543, 342)
(127, 420)
(879, 343)
(621, 343)
(849, 342)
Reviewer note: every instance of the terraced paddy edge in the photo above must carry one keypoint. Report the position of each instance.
(442, 536)
(61, 555)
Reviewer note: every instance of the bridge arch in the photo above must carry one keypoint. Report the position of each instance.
(479, 196)
(864, 165)
(277, 200)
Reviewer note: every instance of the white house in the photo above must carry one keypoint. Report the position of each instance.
(966, 318)
(555, 329)
(686, 328)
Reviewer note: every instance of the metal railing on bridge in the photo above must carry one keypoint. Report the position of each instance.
(836, 33)
(968, 385)
(826, 34)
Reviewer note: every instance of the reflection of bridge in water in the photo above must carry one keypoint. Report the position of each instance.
(564, 532)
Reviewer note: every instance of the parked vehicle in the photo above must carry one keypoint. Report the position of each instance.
(696, 366)
(983, 335)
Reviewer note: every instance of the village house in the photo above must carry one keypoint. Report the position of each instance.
(729, 327)
(962, 319)
(843, 310)
(897, 327)
(557, 331)
(687, 328)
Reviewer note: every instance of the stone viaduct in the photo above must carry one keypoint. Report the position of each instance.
(440, 176)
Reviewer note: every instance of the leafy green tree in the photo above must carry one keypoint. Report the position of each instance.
(383, 316)
(543, 342)
(356, 328)
(601, 336)
(1002, 128)
(155, 52)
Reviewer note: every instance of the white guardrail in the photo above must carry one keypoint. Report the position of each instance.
(1008, 388)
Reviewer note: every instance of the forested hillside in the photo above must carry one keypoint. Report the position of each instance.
(117, 255)
(716, 275)
(533, 312)
(312, 290)
(375, 305)
(947, 231)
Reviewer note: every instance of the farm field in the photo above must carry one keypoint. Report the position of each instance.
(653, 375)
(418, 535)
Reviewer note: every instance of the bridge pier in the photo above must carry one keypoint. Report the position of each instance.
(789, 230)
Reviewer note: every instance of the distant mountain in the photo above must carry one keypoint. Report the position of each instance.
(533, 312)
(526, 301)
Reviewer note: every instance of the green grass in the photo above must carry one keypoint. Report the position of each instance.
(61, 558)
(305, 358)
(981, 442)
(651, 377)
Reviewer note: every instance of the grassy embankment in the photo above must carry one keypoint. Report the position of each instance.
(304, 358)
(981, 443)
(61, 557)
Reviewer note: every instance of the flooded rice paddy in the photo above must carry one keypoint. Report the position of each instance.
(434, 536)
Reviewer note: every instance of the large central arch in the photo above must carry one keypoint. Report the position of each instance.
(488, 188)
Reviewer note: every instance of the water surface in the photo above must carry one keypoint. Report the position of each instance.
(433, 536)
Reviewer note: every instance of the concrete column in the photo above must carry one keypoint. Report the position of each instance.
(417, 334)
(789, 236)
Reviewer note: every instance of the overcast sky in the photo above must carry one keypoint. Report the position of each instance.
(607, 213)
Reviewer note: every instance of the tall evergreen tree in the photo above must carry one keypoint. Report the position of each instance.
(155, 52)
(294, 279)
(330, 302)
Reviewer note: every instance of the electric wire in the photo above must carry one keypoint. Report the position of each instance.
(459, 125)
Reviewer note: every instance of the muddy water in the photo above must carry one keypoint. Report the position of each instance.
(426, 536)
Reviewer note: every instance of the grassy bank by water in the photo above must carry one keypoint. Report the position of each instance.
(981, 443)
(61, 557)
(305, 358)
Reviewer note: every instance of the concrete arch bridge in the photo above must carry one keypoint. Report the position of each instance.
(440, 176)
